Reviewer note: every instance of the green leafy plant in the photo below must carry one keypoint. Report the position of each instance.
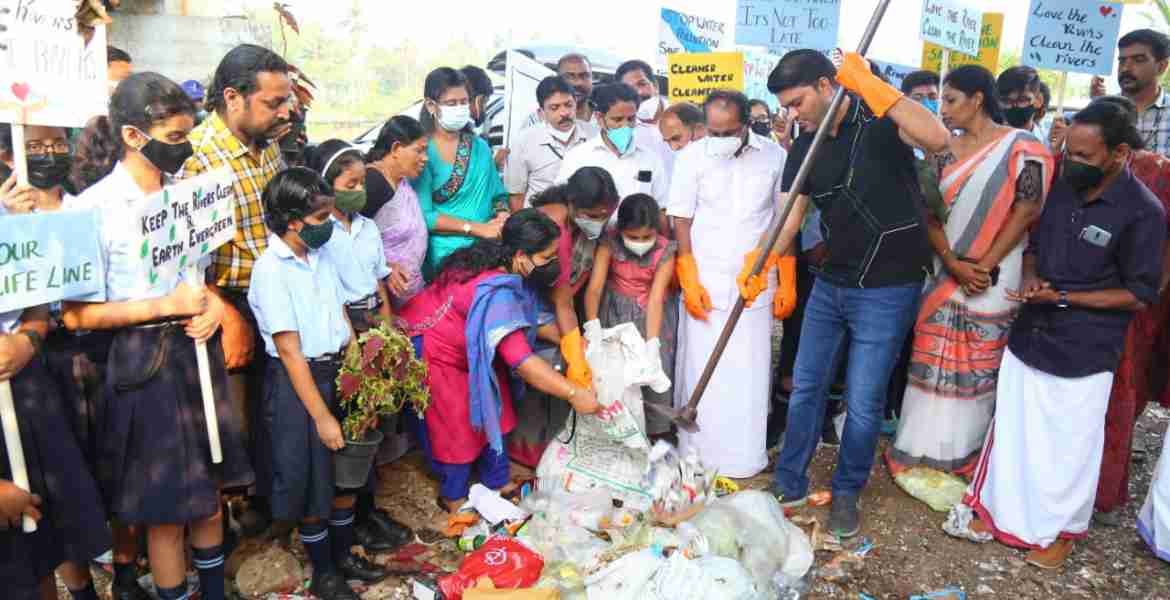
(379, 376)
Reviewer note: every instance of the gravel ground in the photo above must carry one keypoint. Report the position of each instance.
(911, 554)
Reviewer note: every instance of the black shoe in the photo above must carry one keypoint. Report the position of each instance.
(360, 569)
(370, 538)
(332, 586)
(128, 591)
(389, 530)
(844, 518)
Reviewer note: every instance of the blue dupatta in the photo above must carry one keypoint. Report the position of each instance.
(502, 305)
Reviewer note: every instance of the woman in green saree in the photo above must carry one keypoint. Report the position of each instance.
(460, 191)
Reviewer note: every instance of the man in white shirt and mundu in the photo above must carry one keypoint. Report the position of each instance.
(536, 156)
(722, 198)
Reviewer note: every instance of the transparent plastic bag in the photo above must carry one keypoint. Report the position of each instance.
(939, 490)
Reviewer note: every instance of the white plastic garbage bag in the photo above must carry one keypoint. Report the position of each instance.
(750, 527)
(627, 578)
(708, 578)
(607, 451)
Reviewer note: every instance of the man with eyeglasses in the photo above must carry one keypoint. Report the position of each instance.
(722, 201)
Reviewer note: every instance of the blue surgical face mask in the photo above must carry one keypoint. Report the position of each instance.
(931, 104)
(621, 137)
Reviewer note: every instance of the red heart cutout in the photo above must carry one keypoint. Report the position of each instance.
(1105, 10)
(21, 90)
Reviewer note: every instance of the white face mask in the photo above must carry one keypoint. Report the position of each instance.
(639, 248)
(592, 229)
(561, 136)
(648, 109)
(454, 118)
(722, 147)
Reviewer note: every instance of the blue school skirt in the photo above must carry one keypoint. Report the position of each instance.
(302, 467)
(73, 526)
(155, 460)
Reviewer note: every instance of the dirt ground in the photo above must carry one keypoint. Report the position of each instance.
(911, 554)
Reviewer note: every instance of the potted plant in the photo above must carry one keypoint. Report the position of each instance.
(378, 376)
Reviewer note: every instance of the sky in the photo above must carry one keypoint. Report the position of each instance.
(630, 27)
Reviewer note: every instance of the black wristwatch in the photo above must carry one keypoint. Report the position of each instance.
(1063, 301)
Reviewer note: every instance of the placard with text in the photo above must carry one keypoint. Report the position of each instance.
(46, 257)
(185, 222)
(693, 76)
(688, 32)
(951, 24)
(48, 74)
(990, 38)
(785, 25)
(1078, 36)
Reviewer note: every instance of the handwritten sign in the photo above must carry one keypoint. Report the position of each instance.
(990, 38)
(185, 222)
(952, 25)
(46, 257)
(686, 32)
(48, 75)
(1078, 36)
(693, 77)
(785, 25)
(757, 66)
(893, 72)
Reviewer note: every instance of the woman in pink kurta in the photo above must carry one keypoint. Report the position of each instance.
(477, 323)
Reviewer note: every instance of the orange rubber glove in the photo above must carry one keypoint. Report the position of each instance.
(573, 351)
(855, 75)
(750, 288)
(695, 296)
(785, 301)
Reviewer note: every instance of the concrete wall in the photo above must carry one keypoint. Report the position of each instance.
(160, 38)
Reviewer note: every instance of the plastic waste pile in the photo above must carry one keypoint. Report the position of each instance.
(614, 518)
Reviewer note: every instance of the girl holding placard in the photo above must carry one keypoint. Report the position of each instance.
(62, 496)
(157, 467)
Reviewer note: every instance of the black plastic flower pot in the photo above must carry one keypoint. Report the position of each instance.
(352, 464)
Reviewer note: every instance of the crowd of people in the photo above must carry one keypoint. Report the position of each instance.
(981, 280)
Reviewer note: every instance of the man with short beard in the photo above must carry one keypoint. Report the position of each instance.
(249, 102)
(1142, 58)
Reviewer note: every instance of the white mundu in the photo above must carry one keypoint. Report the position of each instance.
(730, 202)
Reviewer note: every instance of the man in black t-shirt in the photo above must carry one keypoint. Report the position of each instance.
(864, 183)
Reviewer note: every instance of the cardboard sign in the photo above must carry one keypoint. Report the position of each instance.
(46, 257)
(692, 77)
(1078, 36)
(989, 41)
(686, 32)
(784, 25)
(521, 76)
(952, 25)
(757, 66)
(48, 75)
(185, 222)
(893, 72)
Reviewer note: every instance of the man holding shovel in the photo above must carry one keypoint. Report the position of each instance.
(877, 254)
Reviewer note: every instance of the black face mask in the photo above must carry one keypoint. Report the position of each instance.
(1018, 116)
(546, 275)
(762, 128)
(1081, 176)
(47, 171)
(168, 158)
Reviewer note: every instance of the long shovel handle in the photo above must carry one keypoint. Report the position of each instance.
(14, 447)
(778, 224)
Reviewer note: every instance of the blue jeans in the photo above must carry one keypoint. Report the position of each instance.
(877, 321)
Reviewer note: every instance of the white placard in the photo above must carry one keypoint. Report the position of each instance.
(185, 222)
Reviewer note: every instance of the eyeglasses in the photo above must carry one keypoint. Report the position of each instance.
(40, 148)
(1018, 102)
